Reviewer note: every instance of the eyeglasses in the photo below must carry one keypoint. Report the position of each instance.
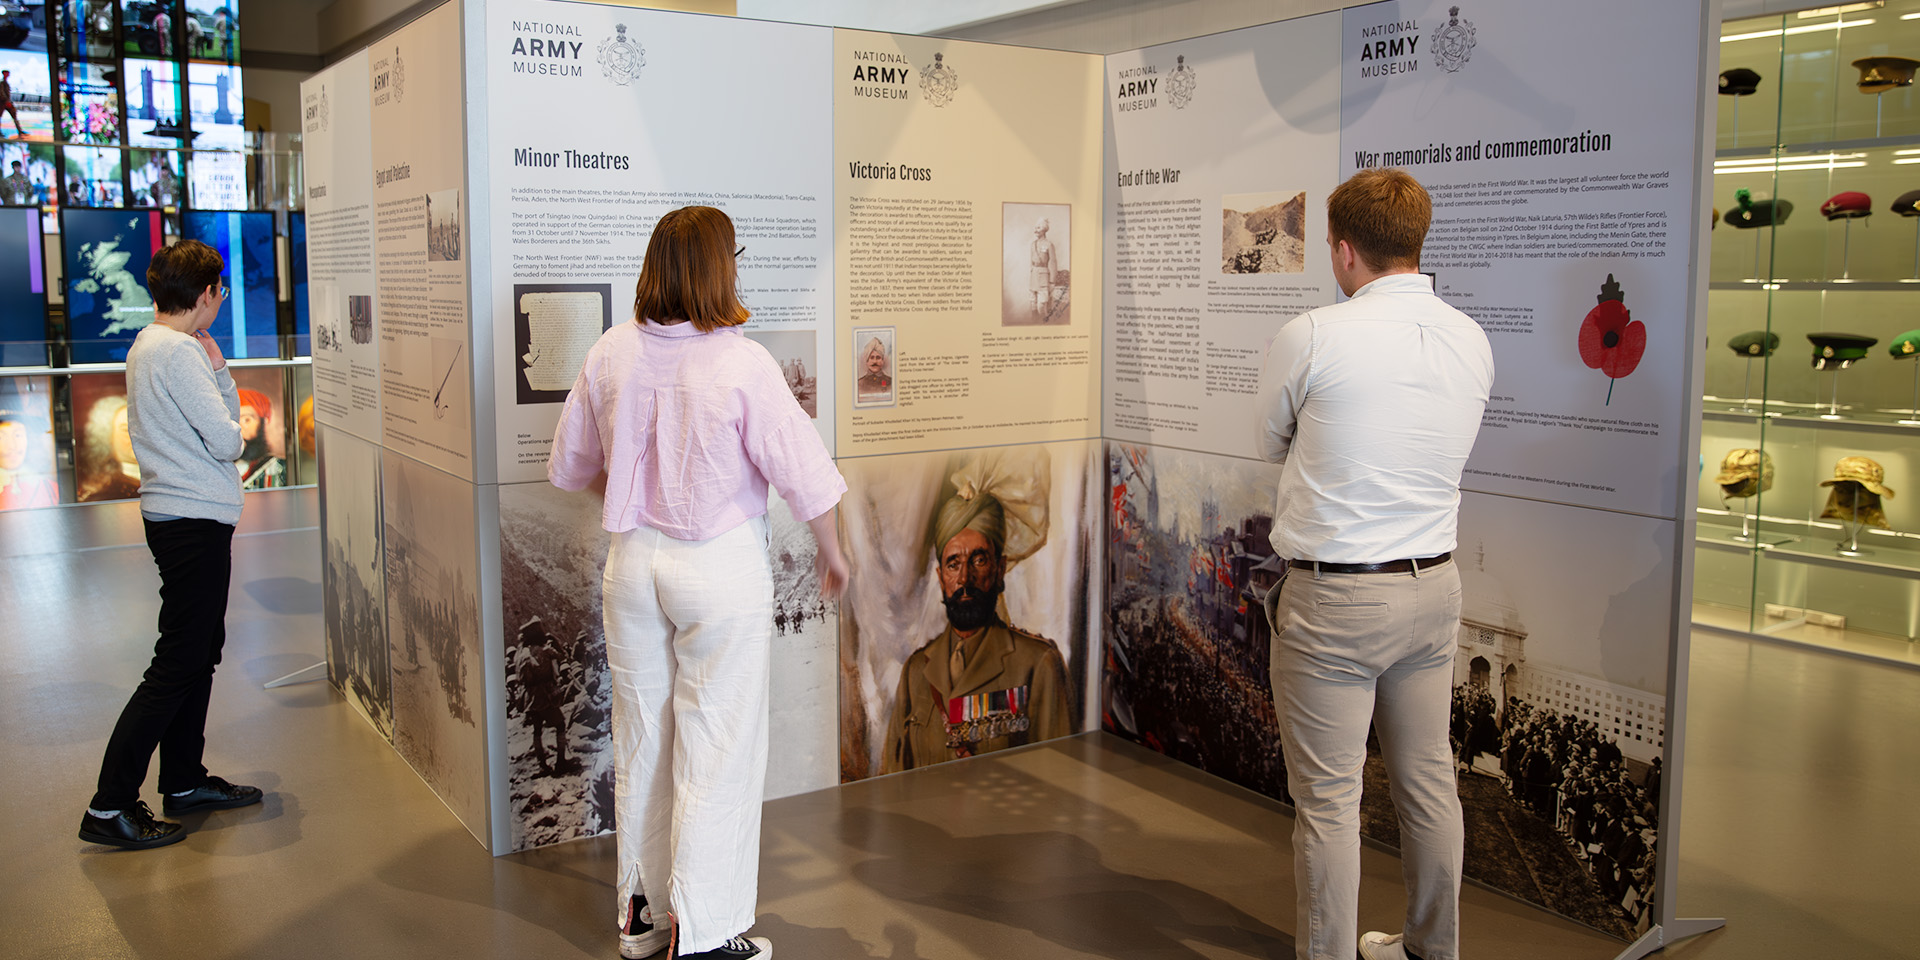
(220, 293)
(737, 253)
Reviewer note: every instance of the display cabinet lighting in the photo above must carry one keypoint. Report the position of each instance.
(1843, 8)
(1831, 161)
(1793, 31)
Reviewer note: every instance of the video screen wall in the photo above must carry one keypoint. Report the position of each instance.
(23, 289)
(106, 254)
(248, 321)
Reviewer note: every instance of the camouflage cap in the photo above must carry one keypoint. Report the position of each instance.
(1905, 345)
(1854, 503)
(1863, 471)
(1838, 351)
(1743, 463)
(1755, 343)
(1880, 74)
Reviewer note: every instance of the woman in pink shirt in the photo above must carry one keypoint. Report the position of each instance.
(682, 423)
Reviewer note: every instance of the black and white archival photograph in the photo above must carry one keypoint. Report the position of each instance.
(360, 319)
(559, 703)
(1557, 735)
(803, 743)
(433, 633)
(873, 360)
(794, 351)
(1263, 232)
(443, 225)
(356, 609)
(1036, 256)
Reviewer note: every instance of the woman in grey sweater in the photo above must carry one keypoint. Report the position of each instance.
(182, 416)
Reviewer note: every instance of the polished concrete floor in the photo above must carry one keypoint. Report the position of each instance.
(1799, 825)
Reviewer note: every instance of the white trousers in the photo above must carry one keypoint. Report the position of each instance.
(689, 625)
(1349, 648)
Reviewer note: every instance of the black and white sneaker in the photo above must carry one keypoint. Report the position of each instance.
(641, 937)
(738, 948)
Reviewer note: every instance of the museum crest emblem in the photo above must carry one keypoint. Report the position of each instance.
(621, 56)
(1453, 42)
(399, 73)
(323, 106)
(939, 82)
(1180, 83)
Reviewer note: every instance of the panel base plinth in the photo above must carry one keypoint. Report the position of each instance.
(307, 674)
(1660, 935)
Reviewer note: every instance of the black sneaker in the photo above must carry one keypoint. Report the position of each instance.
(738, 948)
(214, 794)
(135, 828)
(641, 938)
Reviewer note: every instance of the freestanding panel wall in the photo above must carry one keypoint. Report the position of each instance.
(967, 285)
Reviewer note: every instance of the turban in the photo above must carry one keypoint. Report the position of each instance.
(1001, 495)
(262, 407)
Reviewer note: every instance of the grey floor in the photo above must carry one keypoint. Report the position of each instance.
(1799, 827)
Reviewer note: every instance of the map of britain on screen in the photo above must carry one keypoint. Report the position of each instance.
(107, 256)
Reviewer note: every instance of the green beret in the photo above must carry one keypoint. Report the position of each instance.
(1755, 343)
(1905, 345)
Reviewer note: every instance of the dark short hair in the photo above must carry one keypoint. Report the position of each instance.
(1383, 215)
(179, 272)
(689, 273)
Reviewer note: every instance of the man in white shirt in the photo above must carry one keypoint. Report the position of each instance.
(1372, 405)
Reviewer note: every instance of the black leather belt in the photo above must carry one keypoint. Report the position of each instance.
(1391, 566)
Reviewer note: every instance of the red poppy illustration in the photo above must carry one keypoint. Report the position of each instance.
(1611, 341)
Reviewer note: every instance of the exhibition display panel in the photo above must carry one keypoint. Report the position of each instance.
(991, 276)
(1812, 390)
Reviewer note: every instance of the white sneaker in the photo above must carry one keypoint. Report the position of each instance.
(646, 938)
(1375, 945)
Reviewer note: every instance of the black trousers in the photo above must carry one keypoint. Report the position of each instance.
(169, 708)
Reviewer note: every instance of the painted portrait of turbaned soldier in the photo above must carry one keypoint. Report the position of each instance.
(962, 637)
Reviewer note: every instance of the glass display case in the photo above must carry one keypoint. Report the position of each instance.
(1811, 433)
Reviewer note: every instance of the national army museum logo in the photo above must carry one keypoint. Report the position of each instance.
(1181, 83)
(880, 75)
(1396, 47)
(316, 111)
(939, 82)
(621, 56)
(1142, 87)
(389, 79)
(1453, 42)
(543, 49)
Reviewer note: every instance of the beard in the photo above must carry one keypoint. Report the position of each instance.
(969, 609)
(255, 450)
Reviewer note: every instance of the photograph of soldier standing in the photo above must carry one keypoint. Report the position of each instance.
(1372, 406)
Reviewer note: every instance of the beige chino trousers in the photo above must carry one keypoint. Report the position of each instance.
(1349, 649)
